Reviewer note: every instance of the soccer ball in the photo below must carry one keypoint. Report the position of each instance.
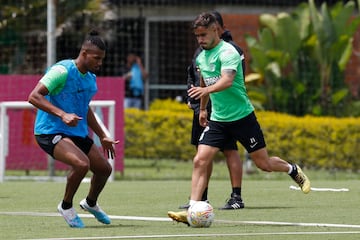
(200, 214)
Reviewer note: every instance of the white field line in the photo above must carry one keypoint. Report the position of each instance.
(158, 219)
(195, 235)
(316, 189)
(291, 224)
(161, 219)
(204, 235)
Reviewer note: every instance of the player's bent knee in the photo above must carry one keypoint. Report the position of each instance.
(108, 170)
(81, 168)
(103, 169)
(200, 163)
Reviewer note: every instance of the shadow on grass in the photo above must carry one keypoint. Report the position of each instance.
(110, 226)
(268, 207)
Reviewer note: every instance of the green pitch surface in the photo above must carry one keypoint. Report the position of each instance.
(138, 210)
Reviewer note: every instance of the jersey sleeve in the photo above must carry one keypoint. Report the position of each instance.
(230, 59)
(54, 80)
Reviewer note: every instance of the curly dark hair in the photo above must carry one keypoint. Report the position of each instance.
(94, 38)
(204, 20)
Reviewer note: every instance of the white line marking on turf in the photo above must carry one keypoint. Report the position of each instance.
(158, 219)
(291, 224)
(323, 189)
(161, 219)
(203, 235)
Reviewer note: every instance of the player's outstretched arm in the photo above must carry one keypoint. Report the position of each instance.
(106, 141)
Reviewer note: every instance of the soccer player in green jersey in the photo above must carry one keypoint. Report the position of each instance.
(230, 151)
(232, 112)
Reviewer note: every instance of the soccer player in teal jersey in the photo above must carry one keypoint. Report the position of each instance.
(232, 113)
(62, 97)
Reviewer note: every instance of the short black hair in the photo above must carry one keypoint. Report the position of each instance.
(93, 37)
(218, 18)
(204, 20)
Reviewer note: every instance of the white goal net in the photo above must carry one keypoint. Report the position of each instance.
(21, 157)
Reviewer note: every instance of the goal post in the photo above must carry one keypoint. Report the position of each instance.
(9, 115)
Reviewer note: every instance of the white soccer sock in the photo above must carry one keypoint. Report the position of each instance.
(191, 202)
(290, 168)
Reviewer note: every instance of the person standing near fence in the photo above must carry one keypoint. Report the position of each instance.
(135, 77)
(232, 114)
(62, 97)
(233, 160)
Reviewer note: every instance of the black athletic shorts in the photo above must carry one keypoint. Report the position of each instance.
(246, 130)
(197, 129)
(48, 141)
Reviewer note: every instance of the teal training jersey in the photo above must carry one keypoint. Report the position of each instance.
(233, 103)
(71, 91)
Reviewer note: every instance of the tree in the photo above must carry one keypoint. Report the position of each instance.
(331, 45)
(307, 49)
(23, 26)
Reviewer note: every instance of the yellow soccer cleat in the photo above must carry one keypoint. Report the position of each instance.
(179, 217)
(301, 179)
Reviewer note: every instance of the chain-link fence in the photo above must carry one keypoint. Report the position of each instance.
(157, 30)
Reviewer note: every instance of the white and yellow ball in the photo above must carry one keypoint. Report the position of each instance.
(200, 215)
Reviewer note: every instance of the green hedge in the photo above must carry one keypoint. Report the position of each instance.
(163, 132)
